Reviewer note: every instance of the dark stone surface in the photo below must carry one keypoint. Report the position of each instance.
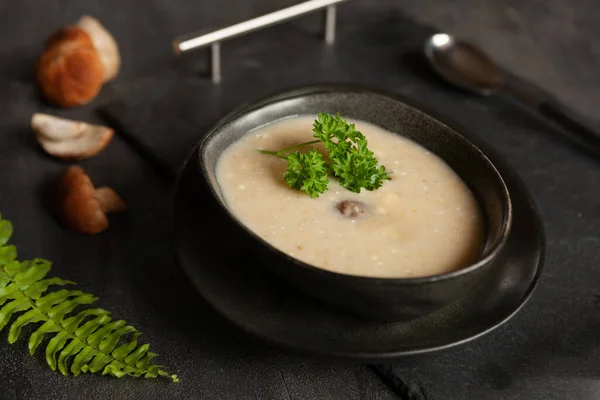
(549, 351)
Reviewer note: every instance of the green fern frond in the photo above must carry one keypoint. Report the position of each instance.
(85, 341)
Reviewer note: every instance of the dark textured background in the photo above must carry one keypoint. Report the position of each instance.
(549, 351)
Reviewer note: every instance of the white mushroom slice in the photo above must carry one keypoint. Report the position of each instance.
(68, 139)
(105, 45)
(54, 128)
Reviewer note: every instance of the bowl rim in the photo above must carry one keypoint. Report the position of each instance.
(314, 89)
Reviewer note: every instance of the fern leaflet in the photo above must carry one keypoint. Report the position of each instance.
(84, 341)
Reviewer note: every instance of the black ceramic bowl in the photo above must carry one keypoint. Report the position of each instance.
(376, 298)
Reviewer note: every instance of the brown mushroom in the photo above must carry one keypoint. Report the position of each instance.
(82, 207)
(68, 139)
(69, 72)
(77, 60)
(351, 208)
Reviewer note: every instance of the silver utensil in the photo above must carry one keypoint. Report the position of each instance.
(194, 41)
(469, 68)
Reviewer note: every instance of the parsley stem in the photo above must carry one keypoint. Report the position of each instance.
(272, 153)
(298, 145)
(281, 152)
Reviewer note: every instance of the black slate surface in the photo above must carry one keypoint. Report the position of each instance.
(549, 351)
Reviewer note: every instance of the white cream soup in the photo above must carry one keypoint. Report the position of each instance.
(422, 222)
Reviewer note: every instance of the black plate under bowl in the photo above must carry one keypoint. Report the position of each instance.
(230, 278)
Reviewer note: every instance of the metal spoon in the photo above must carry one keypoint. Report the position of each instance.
(469, 68)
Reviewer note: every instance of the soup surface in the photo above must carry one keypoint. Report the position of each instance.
(422, 222)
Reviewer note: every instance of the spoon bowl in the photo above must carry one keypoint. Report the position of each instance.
(463, 65)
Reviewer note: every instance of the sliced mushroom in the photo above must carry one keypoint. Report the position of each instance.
(82, 207)
(105, 45)
(68, 139)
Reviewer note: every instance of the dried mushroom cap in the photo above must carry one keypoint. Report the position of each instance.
(68, 139)
(105, 44)
(70, 72)
(82, 207)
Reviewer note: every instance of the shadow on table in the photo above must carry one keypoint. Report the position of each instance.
(18, 66)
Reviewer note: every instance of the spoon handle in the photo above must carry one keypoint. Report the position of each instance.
(572, 123)
(576, 126)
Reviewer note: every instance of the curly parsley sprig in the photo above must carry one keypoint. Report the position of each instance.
(350, 159)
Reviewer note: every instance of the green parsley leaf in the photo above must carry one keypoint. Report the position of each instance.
(307, 172)
(351, 160)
